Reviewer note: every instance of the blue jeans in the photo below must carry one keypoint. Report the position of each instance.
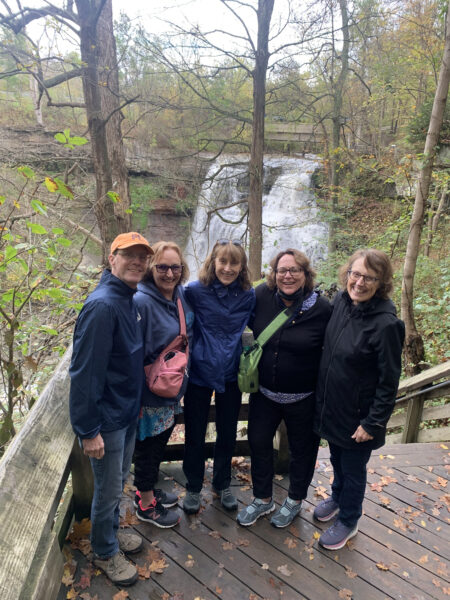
(349, 483)
(196, 409)
(110, 473)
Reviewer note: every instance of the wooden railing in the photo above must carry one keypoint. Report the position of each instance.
(38, 502)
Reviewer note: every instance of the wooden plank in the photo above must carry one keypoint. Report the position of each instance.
(31, 482)
(422, 379)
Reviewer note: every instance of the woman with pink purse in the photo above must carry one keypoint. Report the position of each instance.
(165, 313)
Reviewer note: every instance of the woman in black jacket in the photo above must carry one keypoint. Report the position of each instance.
(287, 376)
(358, 380)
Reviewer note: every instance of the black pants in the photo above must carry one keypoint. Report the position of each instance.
(196, 408)
(148, 455)
(349, 483)
(263, 420)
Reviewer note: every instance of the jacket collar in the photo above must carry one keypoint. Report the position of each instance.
(116, 284)
(223, 290)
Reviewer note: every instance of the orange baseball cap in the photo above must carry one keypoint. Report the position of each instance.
(126, 240)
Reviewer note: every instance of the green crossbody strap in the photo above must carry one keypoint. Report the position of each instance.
(274, 325)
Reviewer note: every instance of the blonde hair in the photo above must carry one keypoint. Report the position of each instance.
(302, 261)
(378, 261)
(159, 248)
(235, 253)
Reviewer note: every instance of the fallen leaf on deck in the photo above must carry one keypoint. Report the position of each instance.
(245, 488)
(290, 542)
(85, 579)
(405, 574)
(80, 530)
(215, 534)
(345, 594)
(122, 595)
(400, 524)
(382, 567)
(316, 535)
(218, 590)
(390, 456)
(423, 559)
(189, 563)
(350, 573)
(72, 593)
(384, 500)
(422, 522)
(321, 492)
(283, 569)
(244, 477)
(70, 567)
(129, 519)
(227, 546)
(242, 542)
(444, 446)
(144, 572)
(278, 477)
(264, 566)
(158, 566)
(253, 597)
(442, 482)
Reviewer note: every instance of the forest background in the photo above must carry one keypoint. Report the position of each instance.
(108, 128)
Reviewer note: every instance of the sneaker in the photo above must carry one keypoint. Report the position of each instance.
(337, 536)
(156, 514)
(227, 499)
(253, 511)
(117, 568)
(191, 503)
(287, 513)
(129, 543)
(326, 510)
(167, 499)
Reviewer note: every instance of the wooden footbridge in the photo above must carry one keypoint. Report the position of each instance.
(401, 552)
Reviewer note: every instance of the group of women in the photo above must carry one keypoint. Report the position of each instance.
(330, 371)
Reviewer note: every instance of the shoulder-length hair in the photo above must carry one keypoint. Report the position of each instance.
(235, 253)
(302, 261)
(378, 261)
(159, 248)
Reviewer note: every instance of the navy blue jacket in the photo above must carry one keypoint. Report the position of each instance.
(221, 314)
(161, 325)
(107, 360)
(359, 371)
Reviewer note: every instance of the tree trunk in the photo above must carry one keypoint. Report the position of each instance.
(89, 49)
(110, 100)
(434, 218)
(265, 8)
(337, 123)
(414, 351)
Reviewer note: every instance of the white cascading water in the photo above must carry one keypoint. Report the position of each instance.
(290, 213)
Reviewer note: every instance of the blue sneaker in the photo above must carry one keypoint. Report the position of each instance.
(326, 510)
(337, 536)
(253, 511)
(287, 513)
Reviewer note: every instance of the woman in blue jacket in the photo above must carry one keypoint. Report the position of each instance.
(223, 300)
(157, 302)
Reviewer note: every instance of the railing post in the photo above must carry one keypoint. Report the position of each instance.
(413, 420)
(82, 482)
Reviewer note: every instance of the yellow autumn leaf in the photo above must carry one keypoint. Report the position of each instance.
(444, 446)
(316, 535)
(50, 184)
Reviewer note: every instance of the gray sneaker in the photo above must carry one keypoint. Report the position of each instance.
(337, 536)
(326, 510)
(286, 514)
(129, 543)
(227, 499)
(191, 503)
(117, 568)
(253, 511)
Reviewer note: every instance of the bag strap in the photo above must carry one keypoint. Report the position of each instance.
(274, 325)
(181, 317)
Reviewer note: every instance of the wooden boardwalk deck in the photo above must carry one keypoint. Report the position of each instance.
(401, 552)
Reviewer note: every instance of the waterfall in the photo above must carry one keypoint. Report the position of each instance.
(290, 213)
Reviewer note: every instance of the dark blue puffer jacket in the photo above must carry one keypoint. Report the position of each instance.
(107, 360)
(221, 315)
(161, 325)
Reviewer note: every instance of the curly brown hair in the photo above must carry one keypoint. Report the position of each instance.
(378, 261)
(158, 250)
(301, 259)
(235, 253)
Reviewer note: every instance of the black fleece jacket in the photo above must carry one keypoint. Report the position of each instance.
(290, 359)
(359, 371)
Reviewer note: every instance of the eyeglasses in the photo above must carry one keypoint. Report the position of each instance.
(224, 242)
(355, 275)
(176, 269)
(294, 271)
(133, 255)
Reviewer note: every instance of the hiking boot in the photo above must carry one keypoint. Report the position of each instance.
(117, 568)
(227, 499)
(337, 536)
(167, 499)
(157, 515)
(253, 511)
(287, 513)
(129, 543)
(191, 503)
(326, 510)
